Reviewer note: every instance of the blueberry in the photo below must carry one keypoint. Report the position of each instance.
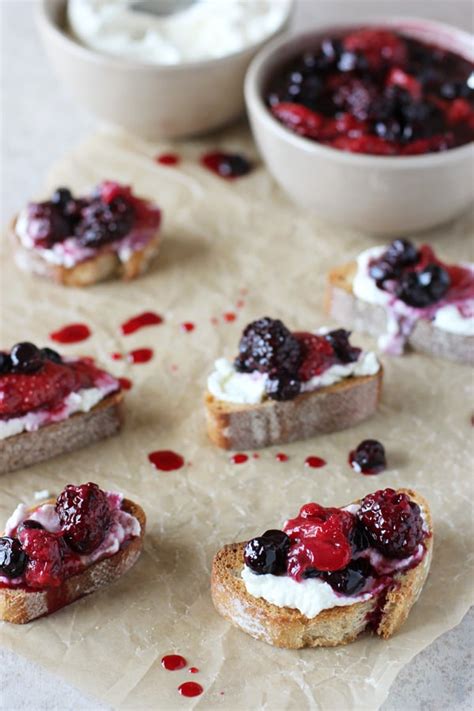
(369, 457)
(339, 340)
(5, 363)
(12, 557)
(234, 165)
(268, 553)
(402, 252)
(423, 288)
(61, 197)
(26, 358)
(29, 524)
(51, 355)
(283, 386)
(349, 580)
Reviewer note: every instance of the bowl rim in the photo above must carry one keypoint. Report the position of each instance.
(45, 22)
(255, 103)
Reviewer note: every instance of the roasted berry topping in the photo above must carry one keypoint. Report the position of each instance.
(320, 539)
(376, 91)
(339, 340)
(425, 287)
(369, 457)
(317, 354)
(283, 386)
(84, 515)
(61, 197)
(349, 580)
(20, 393)
(12, 557)
(392, 521)
(5, 363)
(26, 358)
(268, 553)
(44, 567)
(48, 224)
(269, 347)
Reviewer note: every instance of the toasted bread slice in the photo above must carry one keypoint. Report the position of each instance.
(344, 306)
(328, 409)
(103, 266)
(78, 430)
(19, 605)
(287, 627)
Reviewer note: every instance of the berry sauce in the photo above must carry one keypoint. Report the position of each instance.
(239, 458)
(72, 333)
(229, 316)
(125, 383)
(140, 355)
(376, 91)
(166, 460)
(188, 326)
(281, 457)
(147, 318)
(226, 165)
(173, 662)
(314, 462)
(190, 688)
(168, 159)
(193, 670)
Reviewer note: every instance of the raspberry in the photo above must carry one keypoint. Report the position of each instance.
(379, 47)
(269, 347)
(317, 355)
(44, 567)
(392, 522)
(300, 119)
(84, 515)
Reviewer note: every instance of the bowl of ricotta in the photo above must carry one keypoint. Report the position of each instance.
(159, 76)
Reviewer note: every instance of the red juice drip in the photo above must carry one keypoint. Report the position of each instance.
(125, 383)
(173, 662)
(168, 158)
(314, 462)
(229, 316)
(116, 356)
(214, 321)
(147, 318)
(193, 670)
(166, 460)
(255, 455)
(240, 304)
(239, 458)
(190, 688)
(73, 333)
(140, 355)
(188, 326)
(281, 457)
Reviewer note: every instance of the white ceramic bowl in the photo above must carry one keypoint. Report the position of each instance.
(384, 195)
(151, 101)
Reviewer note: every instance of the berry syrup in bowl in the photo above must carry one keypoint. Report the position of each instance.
(371, 125)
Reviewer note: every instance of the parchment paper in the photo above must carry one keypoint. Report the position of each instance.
(220, 238)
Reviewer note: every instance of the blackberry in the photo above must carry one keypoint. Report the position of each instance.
(339, 340)
(84, 515)
(103, 223)
(269, 347)
(283, 386)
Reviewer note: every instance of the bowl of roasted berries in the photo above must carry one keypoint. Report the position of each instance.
(370, 126)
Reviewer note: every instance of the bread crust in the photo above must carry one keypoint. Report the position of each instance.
(328, 409)
(289, 628)
(20, 606)
(344, 306)
(78, 430)
(103, 266)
